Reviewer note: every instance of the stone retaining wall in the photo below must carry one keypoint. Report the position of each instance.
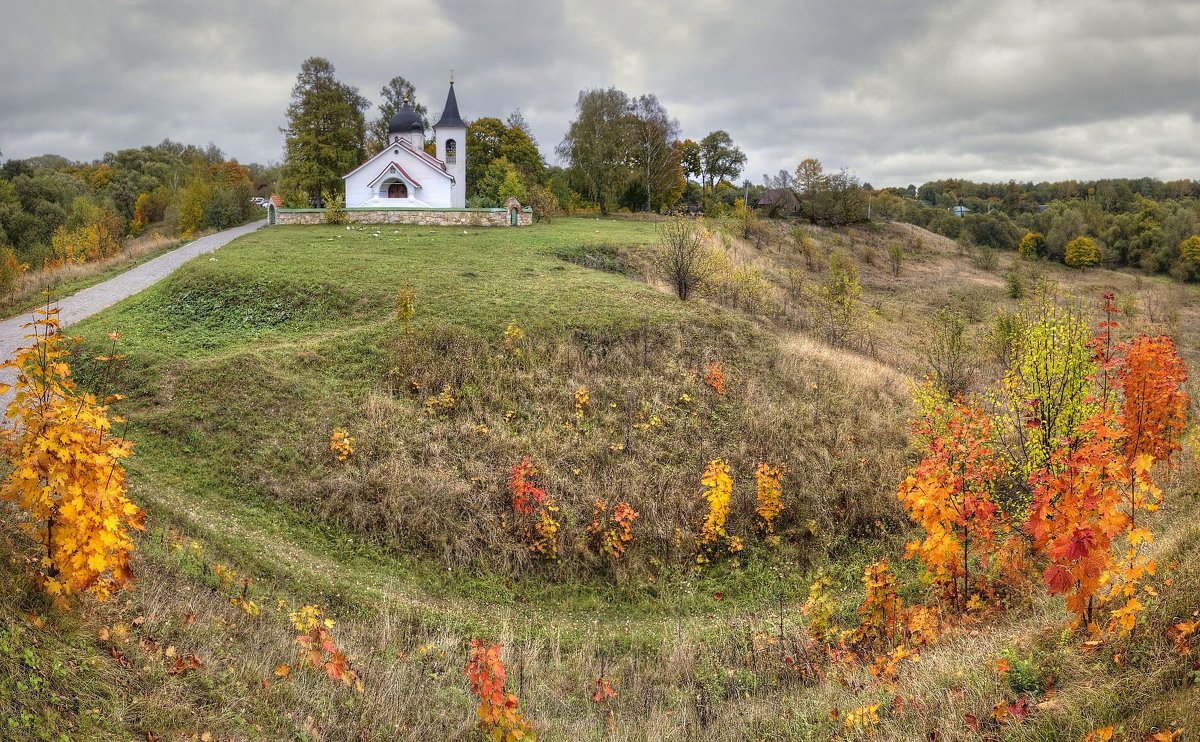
(427, 217)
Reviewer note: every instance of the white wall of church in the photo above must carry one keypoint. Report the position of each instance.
(458, 168)
(435, 187)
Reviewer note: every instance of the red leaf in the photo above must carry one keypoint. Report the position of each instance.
(1058, 579)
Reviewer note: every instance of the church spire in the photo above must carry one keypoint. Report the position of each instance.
(450, 116)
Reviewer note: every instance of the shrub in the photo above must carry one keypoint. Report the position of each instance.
(839, 296)
(984, 258)
(1015, 284)
(335, 208)
(947, 353)
(1033, 245)
(65, 473)
(895, 257)
(684, 258)
(11, 270)
(1189, 249)
(1082, 252)
(544, 204)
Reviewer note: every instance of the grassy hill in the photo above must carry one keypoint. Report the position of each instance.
(239, 367)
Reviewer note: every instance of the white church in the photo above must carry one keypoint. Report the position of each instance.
(404, 175)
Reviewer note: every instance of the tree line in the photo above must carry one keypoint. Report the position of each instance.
(1141, 223)
(55, 211)
(620, 151)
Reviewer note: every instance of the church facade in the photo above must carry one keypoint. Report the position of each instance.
(404, 175)
(404, 184)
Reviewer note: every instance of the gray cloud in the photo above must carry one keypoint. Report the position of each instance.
(898, 91)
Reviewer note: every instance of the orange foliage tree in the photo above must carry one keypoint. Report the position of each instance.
(1121, 410)
(499, 710)
(531, 506)
(318, 648)
(769, 481)
(718, 489)
(1073, 518)
(65, 470)
(611, 531)
(951, 495)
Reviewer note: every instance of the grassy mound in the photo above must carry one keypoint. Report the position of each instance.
(239, 367)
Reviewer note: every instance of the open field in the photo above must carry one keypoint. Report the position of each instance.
(239, 366)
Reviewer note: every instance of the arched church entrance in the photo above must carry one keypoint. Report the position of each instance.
(397, 190)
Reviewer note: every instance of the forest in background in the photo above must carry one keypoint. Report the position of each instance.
(55, 212)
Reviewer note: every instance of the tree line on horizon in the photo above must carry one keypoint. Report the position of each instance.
(620, 152)
(55, 211)
(1127, 222)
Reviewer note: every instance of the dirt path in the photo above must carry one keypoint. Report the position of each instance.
(87, 302)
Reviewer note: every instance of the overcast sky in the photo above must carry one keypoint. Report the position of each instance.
(900, 91)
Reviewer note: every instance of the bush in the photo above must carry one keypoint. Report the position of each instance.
(11, 270)
(984, 258)
(839, 296)
(1082, 252)
(335, 208)
(1015, 284)
(684, 260)
(895, 257)
(544, 204)
(1033, 245)
(948, 354)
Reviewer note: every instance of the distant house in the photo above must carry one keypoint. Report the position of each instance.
(779, 202)
(960, 211)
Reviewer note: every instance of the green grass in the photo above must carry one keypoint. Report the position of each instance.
(238, 366)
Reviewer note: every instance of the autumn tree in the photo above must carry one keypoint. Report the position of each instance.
(951, 495)
(393, 97)
(498, 711)
(947, 353)
(1074, 515)
(718, 489)
(1033, 245)
(838, 296)
(596, 146)
(810, 181)
(326, 129)
(488, 140)
(1045, 393)
(1189, 250)
(1082, 252)
(720, 158)
(91, 232)
(65, 473)
(690, 159)
(652, 152)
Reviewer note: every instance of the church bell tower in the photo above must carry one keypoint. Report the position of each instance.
(450, 134)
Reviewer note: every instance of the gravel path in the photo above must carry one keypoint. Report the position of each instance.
(103, 295)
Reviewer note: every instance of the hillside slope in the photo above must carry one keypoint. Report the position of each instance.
(240, 367)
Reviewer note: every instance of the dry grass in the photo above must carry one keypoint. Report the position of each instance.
(69, 278)
(693, 655)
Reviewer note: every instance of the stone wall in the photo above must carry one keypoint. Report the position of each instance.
(427, 217)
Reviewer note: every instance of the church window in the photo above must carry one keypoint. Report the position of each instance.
(451, 151)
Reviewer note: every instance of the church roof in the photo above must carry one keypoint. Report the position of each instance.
(394, 169)
(435, 164)
(406, 119)
(450, 116)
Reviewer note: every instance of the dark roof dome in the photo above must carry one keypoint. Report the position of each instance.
(450, 116)
(406, 119)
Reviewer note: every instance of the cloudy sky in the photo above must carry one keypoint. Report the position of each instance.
(899, 91)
